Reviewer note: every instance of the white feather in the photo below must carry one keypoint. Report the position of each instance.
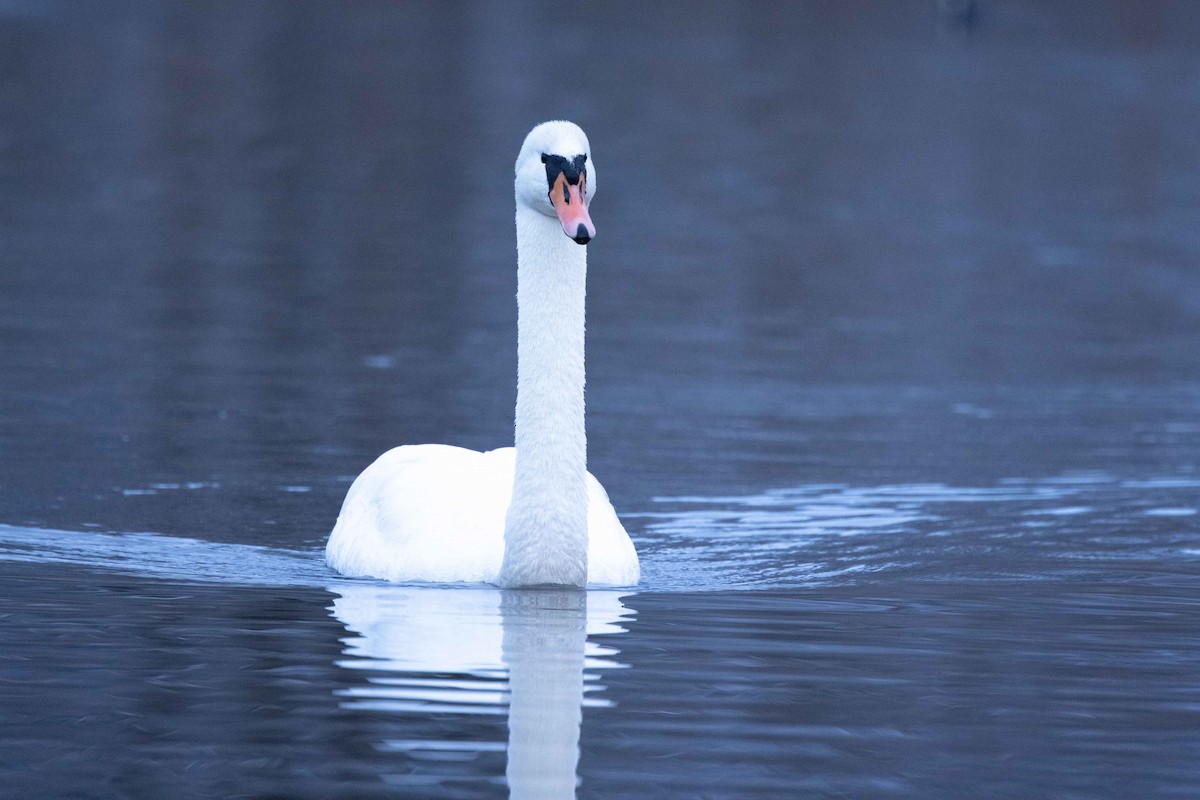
(525, 516)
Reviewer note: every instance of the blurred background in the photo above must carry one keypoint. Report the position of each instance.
(894, 316)
(249, 246)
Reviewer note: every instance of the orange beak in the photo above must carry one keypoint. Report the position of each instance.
(569, 204)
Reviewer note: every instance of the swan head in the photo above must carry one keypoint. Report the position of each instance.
(557, 177)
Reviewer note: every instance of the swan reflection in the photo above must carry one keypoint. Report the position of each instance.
(480, 652)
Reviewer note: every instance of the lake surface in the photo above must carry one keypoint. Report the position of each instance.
(893, 376)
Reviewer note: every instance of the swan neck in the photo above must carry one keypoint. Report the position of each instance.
(546, 527)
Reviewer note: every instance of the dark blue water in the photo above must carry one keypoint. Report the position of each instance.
(893, 375)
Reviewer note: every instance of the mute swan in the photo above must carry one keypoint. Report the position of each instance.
(525, 516)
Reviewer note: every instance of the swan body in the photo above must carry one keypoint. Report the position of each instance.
(525, 516)
(436, 513)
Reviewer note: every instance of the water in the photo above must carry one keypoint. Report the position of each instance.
(894, 344)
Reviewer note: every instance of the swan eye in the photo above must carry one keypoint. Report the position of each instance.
(573, 169)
